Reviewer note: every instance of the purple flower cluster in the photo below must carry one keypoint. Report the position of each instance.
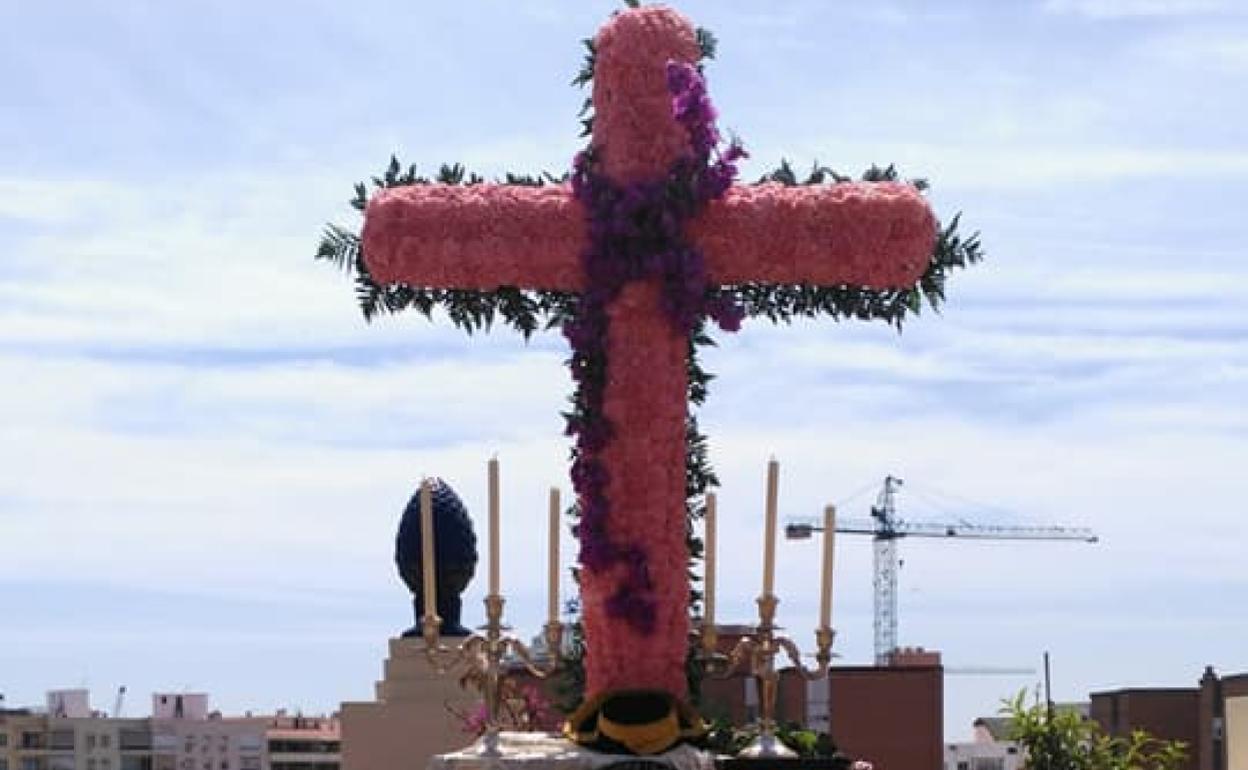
(693, 109)
(636, 233)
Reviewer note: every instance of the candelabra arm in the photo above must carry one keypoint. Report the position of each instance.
(745, 649)
(721, 666)
(823, 654)
(441, 658)
(553, 633)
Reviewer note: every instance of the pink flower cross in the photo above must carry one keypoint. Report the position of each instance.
(871, 235)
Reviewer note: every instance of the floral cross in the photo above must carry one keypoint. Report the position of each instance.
(648, 228)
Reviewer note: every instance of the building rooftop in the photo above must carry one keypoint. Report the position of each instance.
(999, 727)
(1149, 690)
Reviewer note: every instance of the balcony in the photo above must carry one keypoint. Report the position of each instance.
(135, 740)
(61, 762)
(136, 763)
(304, 746)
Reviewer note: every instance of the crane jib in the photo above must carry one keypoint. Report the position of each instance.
(885, 529)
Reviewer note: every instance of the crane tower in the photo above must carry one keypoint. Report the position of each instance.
(886, 529)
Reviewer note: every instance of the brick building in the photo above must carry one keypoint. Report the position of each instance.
(1212, 718)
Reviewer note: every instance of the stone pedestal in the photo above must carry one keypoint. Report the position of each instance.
(410, 720)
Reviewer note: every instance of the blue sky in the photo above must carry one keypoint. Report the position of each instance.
(206, 449)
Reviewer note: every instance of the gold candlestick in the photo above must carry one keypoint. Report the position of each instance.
(760, 650)
(482, 655)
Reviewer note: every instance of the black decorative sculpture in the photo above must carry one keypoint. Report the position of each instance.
(455, 555)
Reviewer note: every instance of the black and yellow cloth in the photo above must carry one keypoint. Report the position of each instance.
(641, 722)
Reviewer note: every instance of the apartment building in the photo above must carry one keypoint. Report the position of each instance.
(23, 740)
(303, 743)
(180, 734)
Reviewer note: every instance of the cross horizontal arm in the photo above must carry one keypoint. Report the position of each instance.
(476, 237)
(875, 235)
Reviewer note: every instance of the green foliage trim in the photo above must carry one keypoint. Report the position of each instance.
(707, 43)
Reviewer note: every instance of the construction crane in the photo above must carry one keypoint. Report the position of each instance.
(886, 529)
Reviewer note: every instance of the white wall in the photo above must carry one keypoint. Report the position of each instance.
(193, 705)
(1237, 732)
(69, 704)
(980, 756)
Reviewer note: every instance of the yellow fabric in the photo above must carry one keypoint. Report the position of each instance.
(571, 728)
(651, 738)
(641, 739)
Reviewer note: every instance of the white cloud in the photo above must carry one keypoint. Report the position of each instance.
(1118, 9)
(1015, 166)
(1203, 48)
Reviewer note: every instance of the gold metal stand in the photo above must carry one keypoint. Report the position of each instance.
(761, 649)
(482, 655)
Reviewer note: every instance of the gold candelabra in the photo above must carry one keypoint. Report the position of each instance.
(760, 649)
(482, 655)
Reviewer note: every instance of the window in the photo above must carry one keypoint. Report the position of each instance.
(4, 741)
(250, 742)
(4, 763)
(988, 763)
(106, 741)
(90, 741)
(964, 766)
(31, 763)
(91, 763)
(249, 763)
(136, 763)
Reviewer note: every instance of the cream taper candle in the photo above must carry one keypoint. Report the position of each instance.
(426, 548)
(769, 541)
(493, 494)
(711, 507)
(552, 609)
(829, 549)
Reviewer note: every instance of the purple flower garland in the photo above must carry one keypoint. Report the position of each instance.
(635, 234)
